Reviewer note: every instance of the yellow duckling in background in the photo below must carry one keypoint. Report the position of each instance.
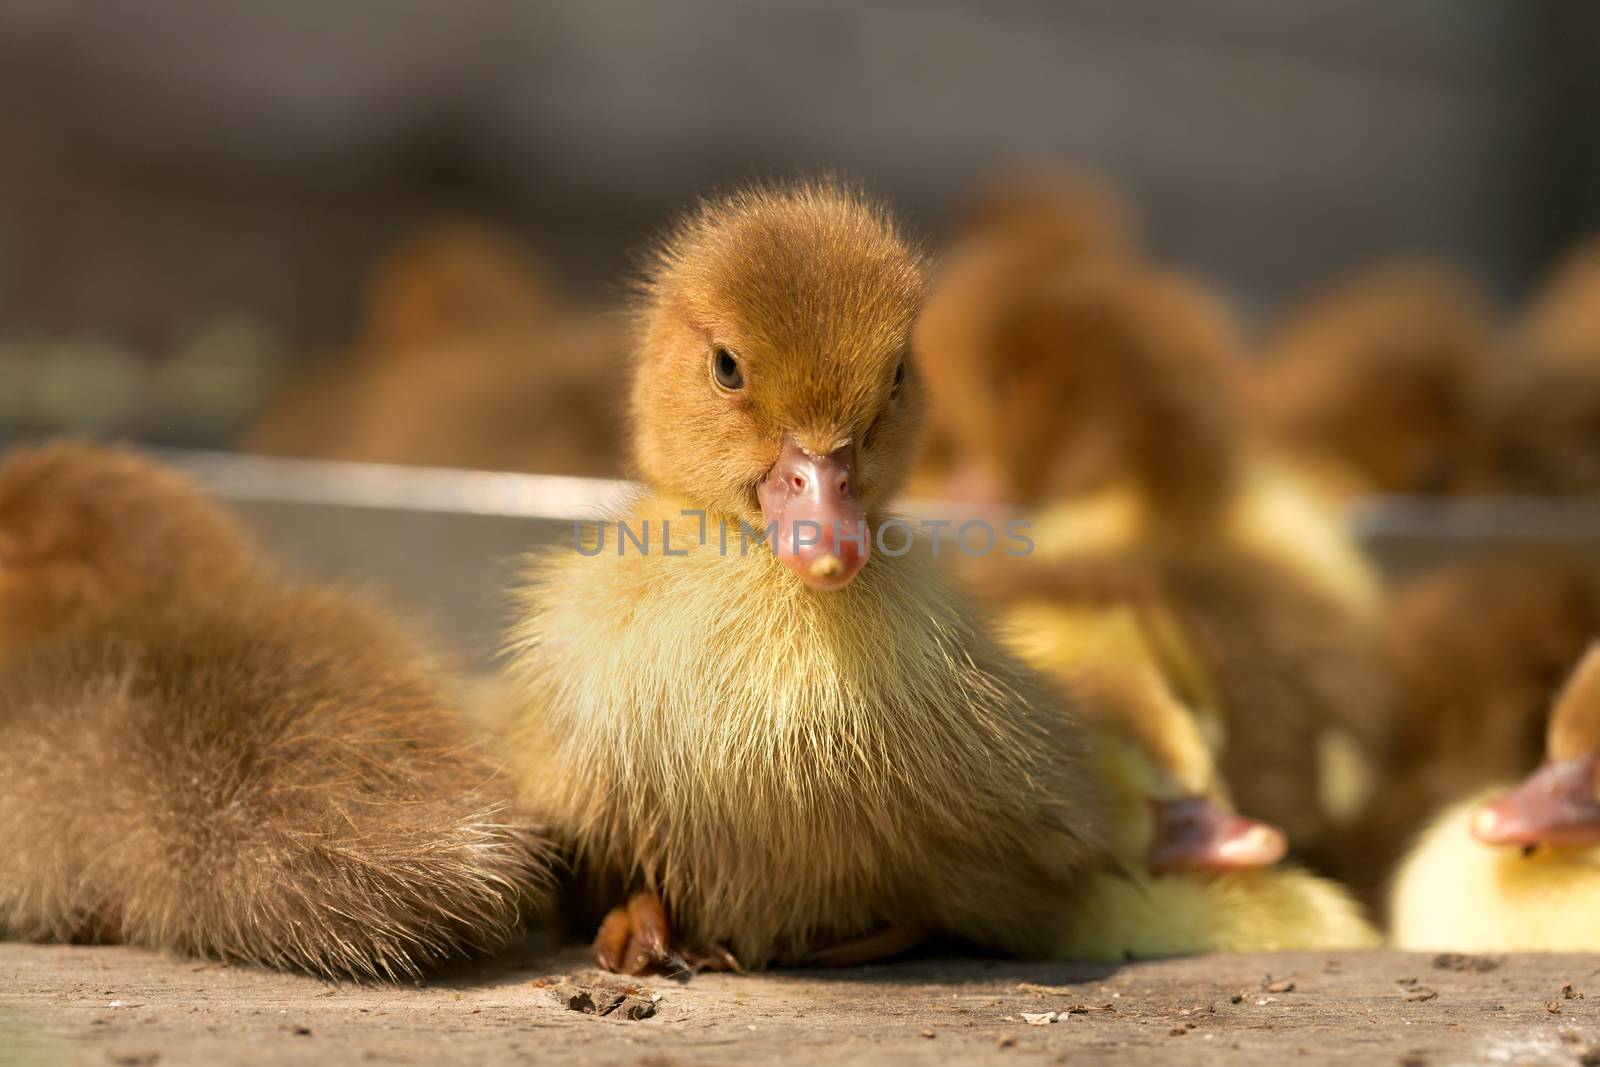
(1518, 872)
(1195, 876)
(1102, 400)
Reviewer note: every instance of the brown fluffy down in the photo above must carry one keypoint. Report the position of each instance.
(248, 770)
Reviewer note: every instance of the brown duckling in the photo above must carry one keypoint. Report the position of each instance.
(1517, 871)
(1019, 225)
(1545, 405)
(198, 756)
(469, 358)
(1377, 384)
(1111, 414)
(804, 753)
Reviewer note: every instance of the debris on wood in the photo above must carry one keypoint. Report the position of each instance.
(623, 1002)
(1044, 990)
(1457, 961)
(1570, 993)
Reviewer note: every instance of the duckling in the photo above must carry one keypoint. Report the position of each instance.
(1194, 875)
(1377, 384)
(1561, 324)
(1045, 215)
(1016, 226)
(469, 358)
(1472, 685)
(1518, 871)
(87, 535)
(808, 750)
(198, 756)
(1545, 407)
(1112, 407)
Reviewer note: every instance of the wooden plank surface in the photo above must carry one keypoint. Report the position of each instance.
(95, 1005)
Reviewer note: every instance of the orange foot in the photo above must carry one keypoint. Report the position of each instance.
(637, 937)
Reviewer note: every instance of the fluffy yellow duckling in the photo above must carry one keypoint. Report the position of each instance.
(1473, 685)
(813, 751)
(1518, 871)
(1195, 877)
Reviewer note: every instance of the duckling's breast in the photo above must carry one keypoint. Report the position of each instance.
(787, 766)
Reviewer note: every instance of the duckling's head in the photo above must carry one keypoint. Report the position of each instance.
(87, 533)
(774, 384)
(1385, 373)
(1559, 804)
(1563, 325)
(1096, 372)
(449, 280)
(1043, 214)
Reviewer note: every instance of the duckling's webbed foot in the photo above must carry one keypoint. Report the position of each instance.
(637, 937)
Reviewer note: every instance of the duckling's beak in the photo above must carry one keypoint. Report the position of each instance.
(1193, 834)
(1556, 805)
(818, 526)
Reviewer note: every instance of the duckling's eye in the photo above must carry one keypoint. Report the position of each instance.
(725, 369)
(899, 380)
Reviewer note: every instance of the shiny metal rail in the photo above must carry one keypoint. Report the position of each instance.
(444, 545)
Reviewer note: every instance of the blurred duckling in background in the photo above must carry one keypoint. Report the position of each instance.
(1109, 408)
(812, 753)
(469, 358)
(1377, 384)
(1476, 648)
(196, 756)
(1546, 402)
(1520, 871)
(1021, 223)
(1195, 876)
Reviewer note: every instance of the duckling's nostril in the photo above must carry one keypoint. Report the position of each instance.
(798, 480)
(844, 485)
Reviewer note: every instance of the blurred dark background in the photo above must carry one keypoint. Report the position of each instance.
(211, 181)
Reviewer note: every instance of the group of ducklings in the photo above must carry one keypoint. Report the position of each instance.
(819, 751)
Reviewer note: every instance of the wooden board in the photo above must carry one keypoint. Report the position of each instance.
(72, 1005)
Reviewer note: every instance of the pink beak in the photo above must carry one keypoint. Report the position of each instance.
(818, 525)
(1192, 834)
(1556, 805)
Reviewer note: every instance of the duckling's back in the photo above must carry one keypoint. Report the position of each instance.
(275, 777)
